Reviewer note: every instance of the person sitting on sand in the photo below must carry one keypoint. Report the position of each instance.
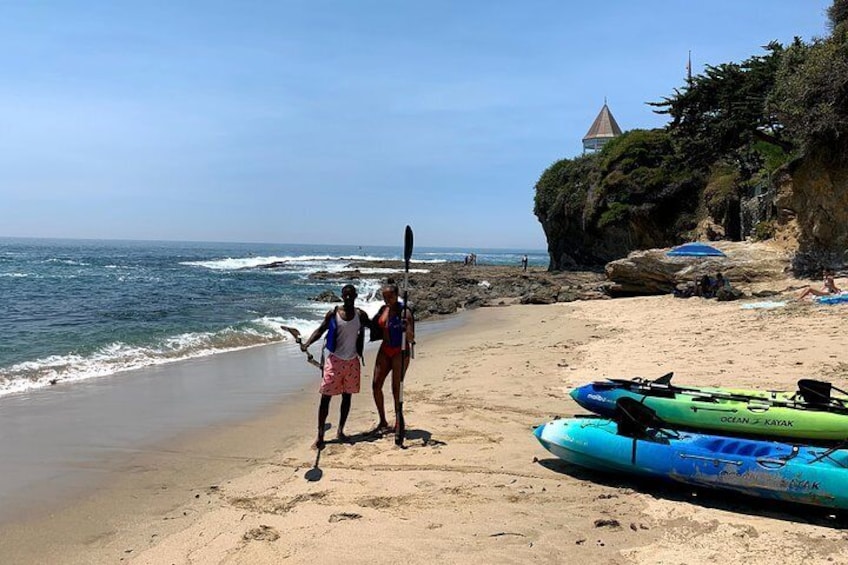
(341, 372)
(704, 287)
(388, 325)
(828, 288)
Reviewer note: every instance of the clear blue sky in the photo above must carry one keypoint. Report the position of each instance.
(333, 122)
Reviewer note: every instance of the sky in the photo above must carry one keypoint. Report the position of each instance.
(334, 122)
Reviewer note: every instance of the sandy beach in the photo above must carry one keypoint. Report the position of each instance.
(472, 485)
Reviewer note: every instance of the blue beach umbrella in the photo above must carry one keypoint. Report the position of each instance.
(695, 250)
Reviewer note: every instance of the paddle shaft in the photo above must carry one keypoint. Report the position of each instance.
(407, 255)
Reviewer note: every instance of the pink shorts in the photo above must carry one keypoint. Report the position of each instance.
(340, 376)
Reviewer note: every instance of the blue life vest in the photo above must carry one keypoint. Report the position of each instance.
(394, 325)
(331, 333)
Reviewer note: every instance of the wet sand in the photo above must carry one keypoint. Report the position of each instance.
(64, 439)
(473, 485)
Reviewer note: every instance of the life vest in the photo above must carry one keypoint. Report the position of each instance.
(394, 325)
(332, 335)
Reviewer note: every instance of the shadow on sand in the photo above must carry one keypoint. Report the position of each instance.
(413, 437)
(708, 498)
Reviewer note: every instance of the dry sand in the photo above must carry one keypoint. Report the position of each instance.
(473, 485)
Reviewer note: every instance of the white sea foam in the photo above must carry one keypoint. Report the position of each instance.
(312, 262)
(66, 262)
(118, 357)
(235, 263)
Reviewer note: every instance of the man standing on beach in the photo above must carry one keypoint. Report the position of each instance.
(345, 327)
(524, 261)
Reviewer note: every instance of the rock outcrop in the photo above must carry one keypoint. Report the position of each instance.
(653, 272)
(450, 287)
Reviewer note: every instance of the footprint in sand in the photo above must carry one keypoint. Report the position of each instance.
(344, 516)
(262, 533)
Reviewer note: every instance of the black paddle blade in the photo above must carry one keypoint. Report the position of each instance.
(815, 392)
(315, 473)
(295, 333)
(407, 246)
(664, 380)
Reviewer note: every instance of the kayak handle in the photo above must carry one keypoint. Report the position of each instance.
(758, 408)
(706, 409)
(771, 463)
(715, 461)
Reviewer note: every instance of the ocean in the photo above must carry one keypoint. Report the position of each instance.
(72, 310)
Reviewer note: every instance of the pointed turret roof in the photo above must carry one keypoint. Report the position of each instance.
(604, 126)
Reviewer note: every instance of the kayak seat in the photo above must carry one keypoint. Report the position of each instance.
(634, 418)
(746, 449)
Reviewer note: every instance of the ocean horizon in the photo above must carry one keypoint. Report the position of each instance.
(76, 309)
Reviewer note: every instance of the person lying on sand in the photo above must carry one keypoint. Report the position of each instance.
(828, 288)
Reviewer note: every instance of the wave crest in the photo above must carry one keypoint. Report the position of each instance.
(118, 356)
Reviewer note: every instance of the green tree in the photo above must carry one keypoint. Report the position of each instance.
(811, 91)
(837, 14)
(719, 113)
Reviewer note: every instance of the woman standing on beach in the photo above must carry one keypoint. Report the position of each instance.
(388, 325)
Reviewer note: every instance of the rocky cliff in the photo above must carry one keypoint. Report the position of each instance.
(812, 208)
(803, 207)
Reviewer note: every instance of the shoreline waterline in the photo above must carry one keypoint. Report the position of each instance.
(65, 442)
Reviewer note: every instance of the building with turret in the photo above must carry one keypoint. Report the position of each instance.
(603, 129)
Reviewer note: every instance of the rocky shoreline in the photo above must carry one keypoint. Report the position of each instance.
(448, 288)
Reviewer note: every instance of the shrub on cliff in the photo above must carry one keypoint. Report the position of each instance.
(811, 95)
(633, 193)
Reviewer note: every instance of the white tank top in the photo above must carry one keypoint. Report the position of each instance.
(346, 334)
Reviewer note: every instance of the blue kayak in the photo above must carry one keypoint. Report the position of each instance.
(764, 469)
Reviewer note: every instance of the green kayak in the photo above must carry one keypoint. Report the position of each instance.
(814, 413)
